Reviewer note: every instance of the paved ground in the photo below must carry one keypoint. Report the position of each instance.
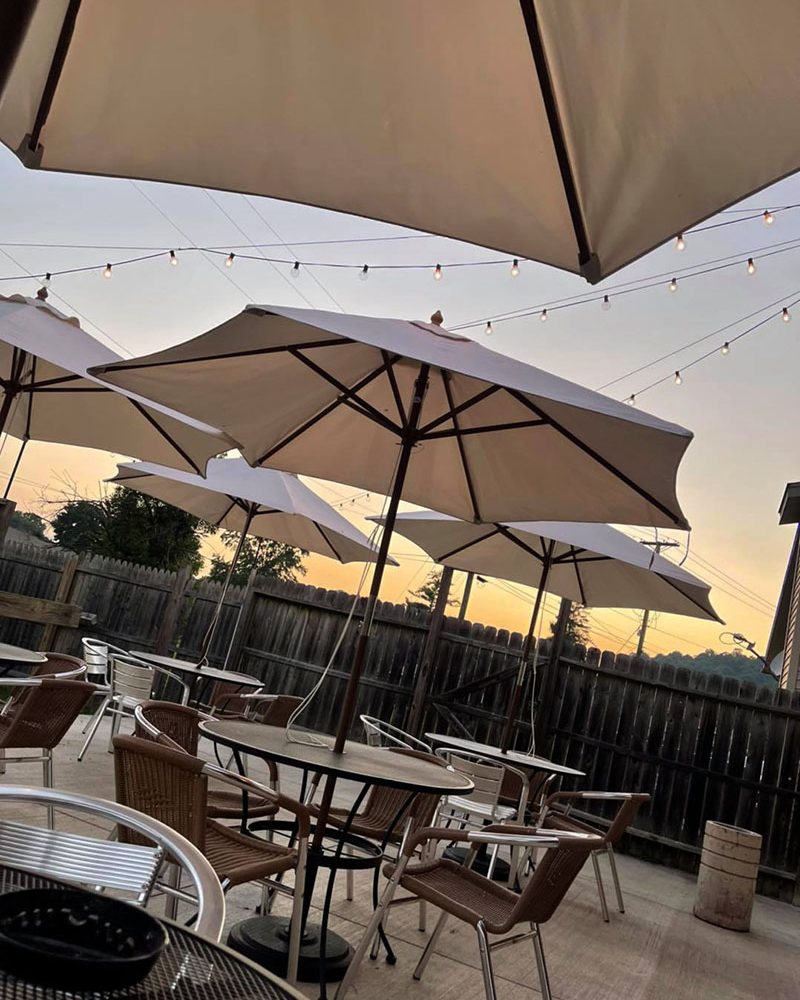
(655, 951)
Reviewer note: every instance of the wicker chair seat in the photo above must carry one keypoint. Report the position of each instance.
(240, 859)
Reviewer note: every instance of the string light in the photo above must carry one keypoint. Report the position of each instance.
(46, 280)
(173, 258)
(768, 217)
(786, 316)
(673, 285)
(107, 271)
(725, 349)
(364, 273)
(631, 400)
(489, 329)
(543, 316)
(751, 266)
(295, 272)
(680, 242)
(229, 259)
(678, 378)
(514, 268)
(437, 273)
(606, 303)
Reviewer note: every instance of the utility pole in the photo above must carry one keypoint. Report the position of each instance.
(657, 547)
(462, 611)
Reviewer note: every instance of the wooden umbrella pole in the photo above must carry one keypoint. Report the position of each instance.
(519, 686)
(17, 461)
(225, 586)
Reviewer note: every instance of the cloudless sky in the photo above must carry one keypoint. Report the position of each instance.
(742, 406)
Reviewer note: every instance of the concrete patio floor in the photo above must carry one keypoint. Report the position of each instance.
(657, 950)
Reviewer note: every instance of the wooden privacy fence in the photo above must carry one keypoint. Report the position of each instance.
(704, 746)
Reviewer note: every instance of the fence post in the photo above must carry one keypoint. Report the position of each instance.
(7, 508)
(169, 621)
(428, 658)
(63, 594)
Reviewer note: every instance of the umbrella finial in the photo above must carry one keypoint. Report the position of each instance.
(437, 319)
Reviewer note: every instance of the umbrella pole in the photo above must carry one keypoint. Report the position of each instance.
(16, 466)
(225, 586)
(519, 687)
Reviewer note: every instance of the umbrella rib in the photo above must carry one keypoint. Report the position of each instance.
(573, 553)
(46, 383)
(468, 545)
(473, 499)
(64, 388)
(683, 593)
(398, 399)
(167, 437)
(587, 450)
(472, 401)
(54, 73)
(252, 352)
(320, 529)
(529, 15)
(234, 502)
(511, 537)
(488, 429)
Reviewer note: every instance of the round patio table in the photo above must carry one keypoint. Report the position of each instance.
(189, 968)
(197, 674)
(525, 761)
(324, 955)
(17, 666)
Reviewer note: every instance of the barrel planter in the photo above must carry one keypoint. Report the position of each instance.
(726, 882)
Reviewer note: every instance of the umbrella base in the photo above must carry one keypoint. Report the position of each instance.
(266, 940)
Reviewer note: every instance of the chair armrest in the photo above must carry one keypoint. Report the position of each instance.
(486, 835)
(263, 791)
(572, 797)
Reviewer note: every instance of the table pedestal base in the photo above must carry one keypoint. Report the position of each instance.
(265, 940)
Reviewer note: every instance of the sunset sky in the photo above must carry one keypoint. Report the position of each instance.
(741, 406)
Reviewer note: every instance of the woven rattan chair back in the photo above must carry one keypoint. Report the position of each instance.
(625, 816)
(179, 722)
(554, 874)
(62, 667)
(43, 712)
(166, 784)
(384, 804)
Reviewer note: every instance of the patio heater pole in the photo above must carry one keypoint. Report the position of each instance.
(251, 510)
(519, 687)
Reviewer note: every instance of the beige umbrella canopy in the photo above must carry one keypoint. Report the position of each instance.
(575, 133)
(48, 395)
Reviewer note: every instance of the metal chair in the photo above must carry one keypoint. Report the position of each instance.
(128, 869)
(38, 717)
(130, 683)
(172, 786)
(557, 817)
(486, 906)
(62, 667)
(378, 733)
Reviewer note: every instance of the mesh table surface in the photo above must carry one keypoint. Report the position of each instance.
(189, 968)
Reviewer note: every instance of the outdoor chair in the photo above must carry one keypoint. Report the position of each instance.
(179, 726)
(63, 667)
(38, 717)
(130, 683)
(96, 657)
(172, 786)
(256, 706)
(539, 787)
(380, 734)
(557, 817)
(489, 908)
(128, 870)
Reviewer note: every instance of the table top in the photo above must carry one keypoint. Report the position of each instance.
(19, 654)
(373, 765)
(190, 967)
(189, 667)
(524, 761)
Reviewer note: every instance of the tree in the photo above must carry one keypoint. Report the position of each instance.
(30, 523)
(428, 592)
(267, 558)
(132, 527)
(576, 631)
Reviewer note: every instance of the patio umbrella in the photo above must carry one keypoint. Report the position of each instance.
(579, 134)
(593, 564)
(47, 394)
(259, 502)
(410, 410)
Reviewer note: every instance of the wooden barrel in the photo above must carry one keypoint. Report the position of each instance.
(726, 882)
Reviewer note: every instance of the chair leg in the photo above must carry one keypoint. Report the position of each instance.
(296, 931)
(541, 965)
(600, 889)
(615, 876)
(97, 719)
(47, 781)
(423, 916)
(430, 946)
(486, 962)
(116, 721)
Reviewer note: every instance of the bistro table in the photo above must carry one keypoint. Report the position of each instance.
(195, 673)
(525, 761)
(189, 968)
(16, 661)
(324, 955)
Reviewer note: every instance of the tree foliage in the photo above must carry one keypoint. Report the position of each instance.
(30, 523)
(267, 558)
(735, 663)
(132, 527)
(428, 592)
(576, 632)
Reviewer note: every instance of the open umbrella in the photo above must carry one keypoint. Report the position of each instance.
(412, 411)
(47, 394)
(575, 133)
(593, 564)
(259, 502)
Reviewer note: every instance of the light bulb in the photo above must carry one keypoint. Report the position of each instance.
(543, 315)
(673, 285)
(295, 272)
(489, 329)
(751, 266)
(364, 273)
(631, 400)
(680, 242)
(726, 348)
(107, 271)
(606, 303)
(48, 278)
(768, 217)
(173, 258)
(229, 259)
(437, 273)
(678, 378)
(786, 316)
(514, 268)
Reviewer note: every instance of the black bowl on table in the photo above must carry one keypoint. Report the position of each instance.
(76, 940)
